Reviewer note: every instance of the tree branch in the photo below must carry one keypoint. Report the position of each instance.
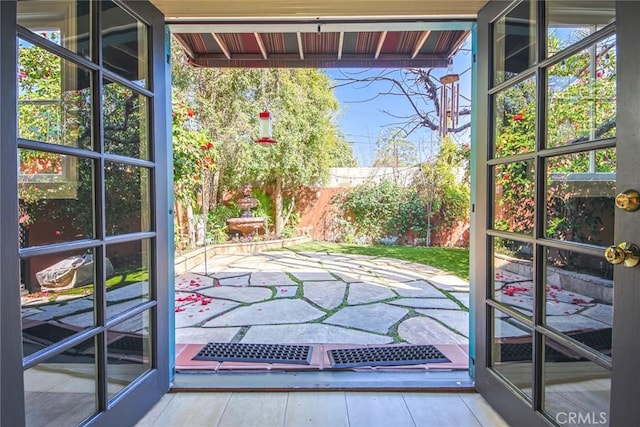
(418, 87)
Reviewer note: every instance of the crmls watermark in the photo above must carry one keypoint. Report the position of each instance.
(581, 418)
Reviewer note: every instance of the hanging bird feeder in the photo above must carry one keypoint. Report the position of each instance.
(265, 129)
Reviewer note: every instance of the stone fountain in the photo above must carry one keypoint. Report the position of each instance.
(247, 224)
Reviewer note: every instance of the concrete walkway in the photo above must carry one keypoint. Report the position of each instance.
(289, 297)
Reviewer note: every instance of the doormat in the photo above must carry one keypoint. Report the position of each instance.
(47, 334)
(261, 353)
(516, 350)
(386, 356)
(127, 344)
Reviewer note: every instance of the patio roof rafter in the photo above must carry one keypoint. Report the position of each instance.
(423, 38)
(300, 46)
(381, 39)
(263, 49)
(222, 45)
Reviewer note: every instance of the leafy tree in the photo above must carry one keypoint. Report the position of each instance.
(371, 206)
(342, 154)
(442, 189)
(394, 150)
(227, 102)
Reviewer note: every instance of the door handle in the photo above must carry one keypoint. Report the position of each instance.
(627, 253)
(628, 200)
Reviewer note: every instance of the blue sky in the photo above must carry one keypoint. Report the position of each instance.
(362, 118)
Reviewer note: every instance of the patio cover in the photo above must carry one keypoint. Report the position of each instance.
(320, 34)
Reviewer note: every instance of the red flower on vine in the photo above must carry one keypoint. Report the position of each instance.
(518, 117)
(190, 112)
(207, 146)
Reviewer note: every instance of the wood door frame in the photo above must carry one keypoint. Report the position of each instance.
(626, 317)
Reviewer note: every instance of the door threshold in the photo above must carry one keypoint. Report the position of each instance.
(382, 380)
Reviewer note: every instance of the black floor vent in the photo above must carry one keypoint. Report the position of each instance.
(261, 353)
(386, 356)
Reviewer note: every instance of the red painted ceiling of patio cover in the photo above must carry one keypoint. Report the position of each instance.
(392, 49)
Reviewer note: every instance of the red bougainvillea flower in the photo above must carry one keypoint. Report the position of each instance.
(518, 117)
(599, 74)
(190, 112)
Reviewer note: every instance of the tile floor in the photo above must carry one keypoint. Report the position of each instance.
(331, 409)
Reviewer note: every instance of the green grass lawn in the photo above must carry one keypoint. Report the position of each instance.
(452, 260)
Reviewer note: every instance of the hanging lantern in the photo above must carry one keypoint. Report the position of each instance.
(265, 129)
(449, 102)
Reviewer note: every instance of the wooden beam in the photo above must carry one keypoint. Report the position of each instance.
(222, 45)
(423, 38)
(383, 36)
(300, 48)
(320, 63)
(340, 44)
(324, 56)
(263, 50)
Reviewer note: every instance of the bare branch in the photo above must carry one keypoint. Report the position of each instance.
(419, 88)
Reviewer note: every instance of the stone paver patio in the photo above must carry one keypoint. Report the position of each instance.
(290, 297)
